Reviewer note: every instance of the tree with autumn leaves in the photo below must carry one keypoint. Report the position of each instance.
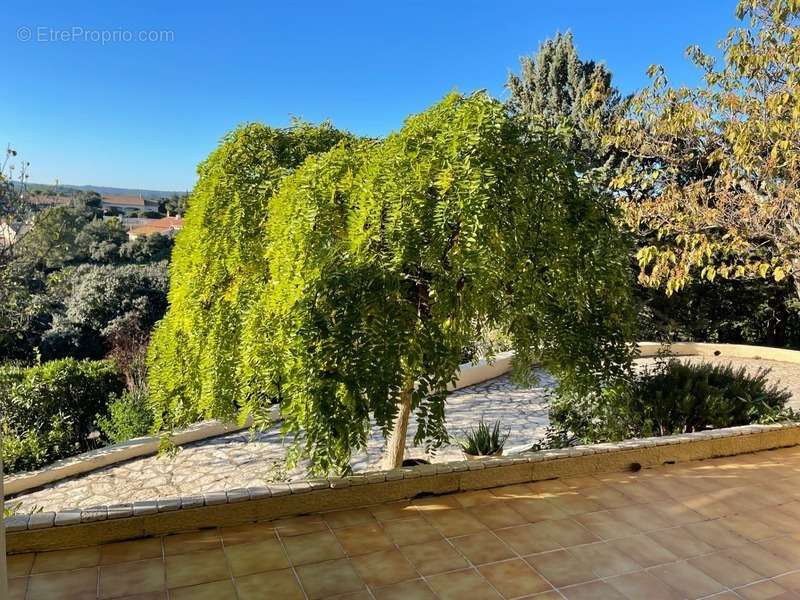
(711, 174)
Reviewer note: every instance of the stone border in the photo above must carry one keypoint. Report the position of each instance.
(98, 525)
(469, 374)
(109, 455)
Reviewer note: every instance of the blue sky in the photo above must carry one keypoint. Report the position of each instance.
(143, 114)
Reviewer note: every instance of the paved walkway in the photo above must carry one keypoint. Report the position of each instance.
(723, 528)
(237, 460)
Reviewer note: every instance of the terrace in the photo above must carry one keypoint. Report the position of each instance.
(306, 394)
(723, 528)
(240, 459)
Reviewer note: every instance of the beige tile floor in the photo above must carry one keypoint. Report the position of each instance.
(723, 528)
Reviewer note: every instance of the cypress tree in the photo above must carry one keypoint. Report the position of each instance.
(557, 87)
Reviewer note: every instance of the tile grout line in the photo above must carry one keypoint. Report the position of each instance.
(163, 546)
(291, 563)
(400, 550)
(344, 552)
(512, 550)
(228, 562)
(642, 532)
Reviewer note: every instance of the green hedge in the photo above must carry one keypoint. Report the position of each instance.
(47, 411)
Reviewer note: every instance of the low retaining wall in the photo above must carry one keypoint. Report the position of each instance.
(109, 455)
(47, 531)
(649, 349)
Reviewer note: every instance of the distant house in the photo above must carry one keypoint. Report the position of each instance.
(168, 226)
(129, 203)
(10, 232)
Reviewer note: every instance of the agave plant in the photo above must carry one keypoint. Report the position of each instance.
(484, 440)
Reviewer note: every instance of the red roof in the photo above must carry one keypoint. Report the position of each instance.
(163, 225)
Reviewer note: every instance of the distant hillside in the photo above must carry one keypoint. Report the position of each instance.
(113, 191)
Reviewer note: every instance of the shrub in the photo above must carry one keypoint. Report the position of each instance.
(758, 312)
(128, 417)
(47, 411)
(28, 450)
(149, 248)
(672, 397)
(92, 301)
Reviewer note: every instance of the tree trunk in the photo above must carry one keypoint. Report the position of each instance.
(796, 276)
(396, 444)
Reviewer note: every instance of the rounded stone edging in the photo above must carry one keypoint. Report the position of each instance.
(109, 455)
(92, 460)
(651, 349)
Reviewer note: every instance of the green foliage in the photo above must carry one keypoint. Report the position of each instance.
(673, 397)
(175, 204)
(14, 508)
(100, 241)
(41, 271)
(129, 416)
(47, 411)
(388, 259)
(217, 263)
(712, 184)
(65, 235)
(28, 450)
(88, 198)
(565, 91)
(90, 302)
(379, 264)
(484, 440)
(146, 248)
(758, 312)
(52, 242)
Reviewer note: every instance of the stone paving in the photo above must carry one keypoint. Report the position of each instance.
(240, 460)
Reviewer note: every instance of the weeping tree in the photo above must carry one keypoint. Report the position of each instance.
(217, 267)
(343, 278)
(387, 259)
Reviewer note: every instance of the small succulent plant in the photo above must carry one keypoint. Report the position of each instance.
(484, 440)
